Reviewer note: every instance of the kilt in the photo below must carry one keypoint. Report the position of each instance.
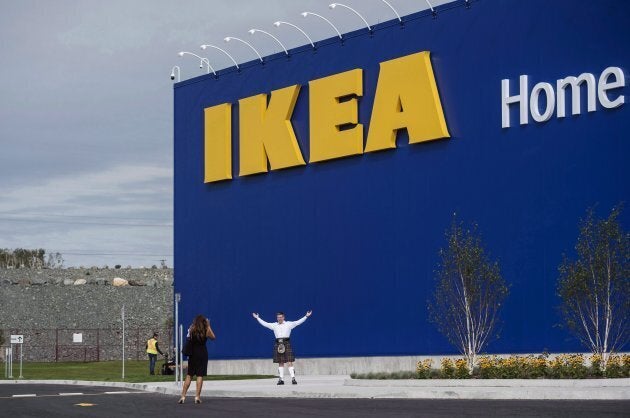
(287, 356)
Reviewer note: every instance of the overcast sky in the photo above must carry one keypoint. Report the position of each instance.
(86, 112)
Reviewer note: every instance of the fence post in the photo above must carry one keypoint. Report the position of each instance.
(21, 353)
(98, 345)
(56, 345)
(11, 362)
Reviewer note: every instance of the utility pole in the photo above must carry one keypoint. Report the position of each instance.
(123, 342)
(178, 298)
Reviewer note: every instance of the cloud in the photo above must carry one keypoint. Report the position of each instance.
(86, 110)
(123, 209)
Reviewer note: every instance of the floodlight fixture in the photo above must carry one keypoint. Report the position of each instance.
(305, 14)
(333, 5)
(280, 22)
(393, 10)
(206, 46)
(253, 31)
(433, 12)
(229, 38)
(202, 61)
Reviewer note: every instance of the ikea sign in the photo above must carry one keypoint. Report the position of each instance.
(361, 231)
(406, 97)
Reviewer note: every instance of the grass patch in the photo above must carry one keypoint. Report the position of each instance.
(106, 371)
(384, 375)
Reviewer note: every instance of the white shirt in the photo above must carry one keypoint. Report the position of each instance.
(282, 330)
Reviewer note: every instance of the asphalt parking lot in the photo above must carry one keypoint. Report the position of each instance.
(27, 400)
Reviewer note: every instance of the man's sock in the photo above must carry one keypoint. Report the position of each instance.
(292, 372)
(281, 372)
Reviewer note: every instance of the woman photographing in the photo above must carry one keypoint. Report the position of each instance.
(198, 333)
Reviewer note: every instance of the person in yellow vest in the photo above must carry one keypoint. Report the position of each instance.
(152, 350)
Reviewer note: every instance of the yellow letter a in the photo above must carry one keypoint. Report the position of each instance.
(406, 97)
(266, 132)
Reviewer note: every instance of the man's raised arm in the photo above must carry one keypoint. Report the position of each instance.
(301, 320)
(261, 322)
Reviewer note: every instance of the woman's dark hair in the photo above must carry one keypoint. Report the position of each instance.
(199, 326)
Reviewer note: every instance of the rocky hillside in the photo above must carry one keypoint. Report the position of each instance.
(49, 304)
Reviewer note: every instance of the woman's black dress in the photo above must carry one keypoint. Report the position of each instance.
(198, 360)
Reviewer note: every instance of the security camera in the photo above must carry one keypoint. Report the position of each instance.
(172, 76)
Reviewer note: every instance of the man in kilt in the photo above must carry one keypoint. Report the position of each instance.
(282, 350)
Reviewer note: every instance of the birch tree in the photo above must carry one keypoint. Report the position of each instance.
(468, 294)
(595, 288)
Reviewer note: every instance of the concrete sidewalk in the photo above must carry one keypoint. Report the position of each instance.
(344, 387)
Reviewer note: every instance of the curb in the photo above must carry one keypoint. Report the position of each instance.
(506, 383)
(495, 389)
(522, 389)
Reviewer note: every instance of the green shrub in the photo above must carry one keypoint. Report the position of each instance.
(448, 368)
(461, 369)
(568, 366)
(596, 369)
(625, 361)
(537, 367)
(614, 367)
(423, 369)
(384, 375)
(564, 366)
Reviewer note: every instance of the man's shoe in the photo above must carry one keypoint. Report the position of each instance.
(293, 381)
(280, 382)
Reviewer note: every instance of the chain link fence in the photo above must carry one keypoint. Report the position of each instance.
(81, 344)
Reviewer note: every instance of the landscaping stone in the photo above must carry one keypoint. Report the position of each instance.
(119, 282)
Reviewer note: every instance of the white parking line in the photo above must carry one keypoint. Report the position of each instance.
(33, 395)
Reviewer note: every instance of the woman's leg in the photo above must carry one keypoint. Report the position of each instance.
(199, 385)
(186, 385)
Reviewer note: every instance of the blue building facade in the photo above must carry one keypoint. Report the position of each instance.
(356, 239)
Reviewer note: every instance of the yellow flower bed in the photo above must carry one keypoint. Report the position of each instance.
(423, 368)
(563, 366)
